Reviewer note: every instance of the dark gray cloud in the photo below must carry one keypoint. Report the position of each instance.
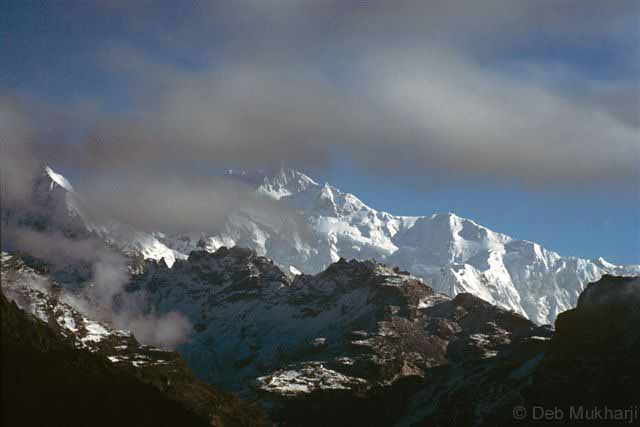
(479, 122)
(17, 159)
(252, 24)
(622, 101)
(437, 109)
(180, 202)
(253, 83)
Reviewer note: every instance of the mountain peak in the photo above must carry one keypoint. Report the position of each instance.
(286, 182)
(58, 179)
(452, 253)
(603, 262)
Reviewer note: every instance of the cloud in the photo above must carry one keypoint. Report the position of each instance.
(252, 24)
(109, 269)
(478, 122)
(17, 160)
(35, 132)
(108, 279)
(54, 247)
(166, 331)
(110, 275)
(621, 100)
(431, 87)
(178, 203)
(429, 108)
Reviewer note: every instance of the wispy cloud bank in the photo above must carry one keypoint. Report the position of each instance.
(455, 88)
(436, 109)
(108, 277)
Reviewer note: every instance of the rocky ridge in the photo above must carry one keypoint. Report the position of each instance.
(355, 330)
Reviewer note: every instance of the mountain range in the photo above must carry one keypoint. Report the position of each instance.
(453, 254)
(359, 342)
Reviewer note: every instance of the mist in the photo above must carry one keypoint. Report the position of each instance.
(165, 331)
(109, 275)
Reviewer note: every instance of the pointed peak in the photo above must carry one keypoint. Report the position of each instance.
(454, 220)
(292, 175)
(58, 179)
(327, 187)
(448, 216)
(604, 263)
(286, 182)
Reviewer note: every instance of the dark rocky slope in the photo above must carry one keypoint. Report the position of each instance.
(591, 364)
(593, 360)
(47, 380)
(363, 344)
(347, 346)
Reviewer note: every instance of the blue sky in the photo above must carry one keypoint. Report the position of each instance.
(521, 115)
(581, 223)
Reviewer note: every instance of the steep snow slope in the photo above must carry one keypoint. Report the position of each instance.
(338, 225)
(453, 254)
(53, 188)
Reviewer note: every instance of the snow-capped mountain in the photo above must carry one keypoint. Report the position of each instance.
(57, 207)
(451, 253)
